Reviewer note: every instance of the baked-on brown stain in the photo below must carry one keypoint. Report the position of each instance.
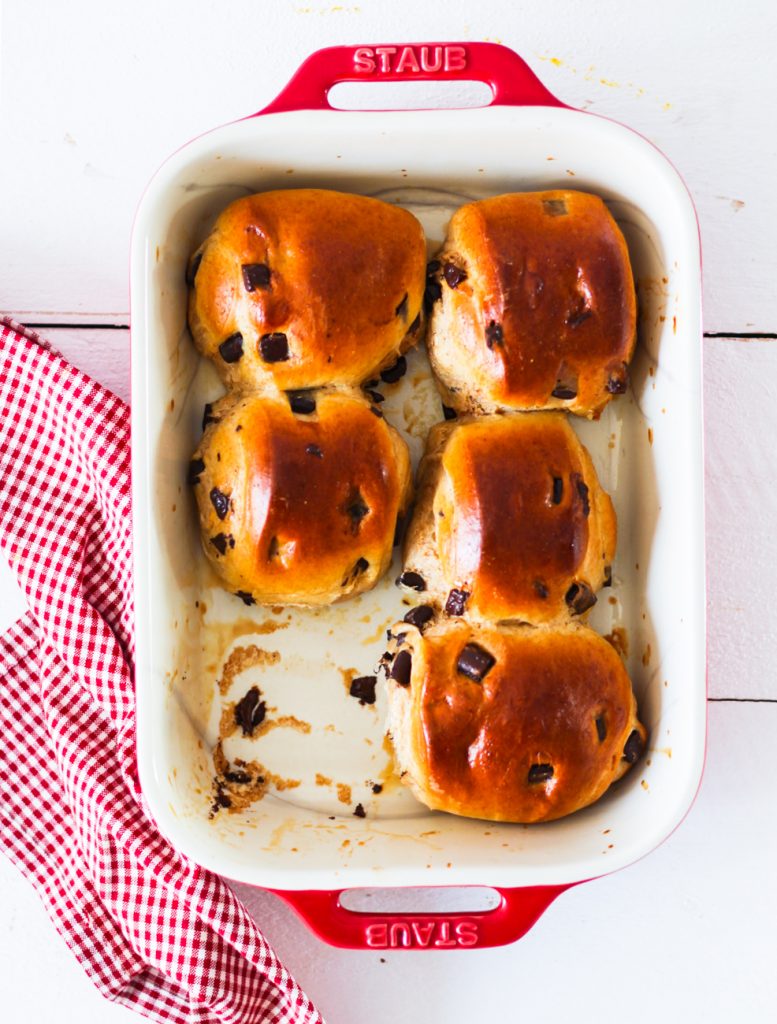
(619, 639)
(242, 658)
(507, 530)
(537, 705)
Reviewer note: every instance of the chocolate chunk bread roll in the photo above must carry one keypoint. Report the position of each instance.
(513, 724)
(535, 305)
(299, 495)
(511, 522)
(307, 287)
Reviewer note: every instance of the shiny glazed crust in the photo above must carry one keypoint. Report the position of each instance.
(540, 735)
(299, 508)
(537, 297)
(510, 512)
(307, 287)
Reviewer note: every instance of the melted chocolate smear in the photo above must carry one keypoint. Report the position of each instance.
(582, 490)
(618, 382)
(314, 450)
(231, 350)
(580, 598)
(540, 773)
(540, 589)
(238, 777)
(454, 275)
(601, 728)
(361, 566)
(255, 275)
(634, 747)
(564, 391)
(191, 270)
(575, 319)
(207, 415)
(457, 600)
(420, 616)
(494, 334)
(245, 597)
(558, 490)
(196, 466)
(395, 372)
(448, 413)
(412, 580)
(401, 309)
(301, 402)
(250, 711)
(363, 689)
(376, 412)
(376, 396)
(356, 508)
(274, 348)
(220, 502)
(433, 289)
(475, 663)
(402, 668)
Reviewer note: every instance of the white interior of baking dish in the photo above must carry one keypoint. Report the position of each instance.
(647, 449)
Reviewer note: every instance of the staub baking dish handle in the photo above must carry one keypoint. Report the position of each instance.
(510, 78)
(514, 914)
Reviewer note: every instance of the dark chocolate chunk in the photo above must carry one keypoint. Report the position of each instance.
(376, 412)
(540, 773)
(412, 580)
(238, 777)
(575, 319)
(314, 450)
(363, 689)
(221, 541)
(274, 348)
(601, 728)
(433, 290)
(361, 566)
(494, 334)
(359, 811)
(402, 668)
(194, 266)
(454, 275)
(207, 415)
(245, 597)
(634, 747)
(220, 502)
(558, 490)
(395, 372)
(618, 382)
(540, 589)
(582, 489)
(273, 550)
(222, 800)
(580, 598)
(376, 396)
(377, 788)
(415, 325)
(196, 466)
(457, 600)
(255, 275)
(475, 663)
(371, 383)
(448, 413)
(564, 391)
(232, 349)
(554, 207)
(432, 267)
(250, 711)
(420, 616)
(607, 576)
(356, 508)
(401, 309)
(302, 402)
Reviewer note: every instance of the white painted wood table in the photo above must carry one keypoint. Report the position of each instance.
(94, 96)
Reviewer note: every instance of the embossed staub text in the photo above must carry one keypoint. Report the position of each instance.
(408, 60)
(437, 933)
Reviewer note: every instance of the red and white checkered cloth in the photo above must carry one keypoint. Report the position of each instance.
(152, 930)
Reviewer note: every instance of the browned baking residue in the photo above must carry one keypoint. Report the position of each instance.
(238, 785)
(644, 785)
(228, 724)
(348, 674)
(646, 655)
(612, 600)
(242, 658)
(651, 369)
(650, 436)
(322, 780)
(619, 639)
(343, 793)
(389, 776)
(674, 325)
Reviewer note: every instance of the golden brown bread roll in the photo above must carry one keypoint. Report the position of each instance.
(307, 287)
(513, 724)
(537, 307)
(511, 522)
(299, 494)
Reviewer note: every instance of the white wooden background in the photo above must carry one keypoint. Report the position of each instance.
(93, 96)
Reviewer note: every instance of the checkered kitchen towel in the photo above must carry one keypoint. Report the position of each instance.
(152, 930)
